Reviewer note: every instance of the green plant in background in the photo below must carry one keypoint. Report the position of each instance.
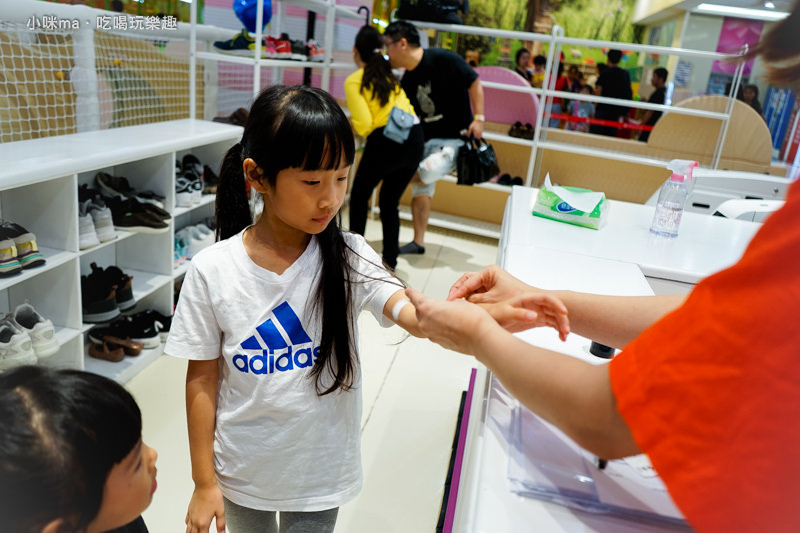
(505, 14)
(605, 20)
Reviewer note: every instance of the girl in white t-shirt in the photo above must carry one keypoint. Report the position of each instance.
(267, 317)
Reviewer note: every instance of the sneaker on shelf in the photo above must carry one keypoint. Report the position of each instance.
(283, 48)
(207, 234)
(270, 52)
(299, 51)
(242, 44)
(15, 348)
(87, 193)
(101, 218)
(154, 210)
(87, 234)
(210, 180)
(106, 352)
(149, 197)
(113, 185)
(192, 239)
(125, 327)
(184, 192)
(123, 282)
(315, 52)
(39, 329)
(28, 253)
(9, 263)
(132, 215)
(151, 318)
(193, 171)
(98, 297)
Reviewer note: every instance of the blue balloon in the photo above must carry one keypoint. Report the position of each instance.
(246, 12)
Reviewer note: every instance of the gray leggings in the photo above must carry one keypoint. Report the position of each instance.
(240, 519)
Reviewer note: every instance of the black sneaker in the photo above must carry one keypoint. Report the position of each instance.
(115, 186)
(132, 215)
(123, 282)
(124, 327)
(98, 297)
(87, 193)
(152, 318)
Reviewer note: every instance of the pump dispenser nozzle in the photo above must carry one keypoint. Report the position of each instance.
(682, 169)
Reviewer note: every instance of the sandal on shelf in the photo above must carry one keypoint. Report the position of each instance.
(106, 352)
(130, 347)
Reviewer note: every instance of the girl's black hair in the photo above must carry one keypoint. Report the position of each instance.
(61, 432)
(300, 127)
(378, 75)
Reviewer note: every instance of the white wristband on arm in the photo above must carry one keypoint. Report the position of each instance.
(397, 307)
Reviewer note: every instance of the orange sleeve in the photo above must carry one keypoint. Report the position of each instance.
(711, 392)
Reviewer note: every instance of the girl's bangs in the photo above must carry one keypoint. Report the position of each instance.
(312, 136)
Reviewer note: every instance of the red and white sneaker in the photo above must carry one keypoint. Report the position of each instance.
(315, 51)
(283, 48)
(270, 50)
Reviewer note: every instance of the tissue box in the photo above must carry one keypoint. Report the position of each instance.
(550, 205)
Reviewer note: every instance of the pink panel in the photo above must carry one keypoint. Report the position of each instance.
(736, 32)
(505, 106)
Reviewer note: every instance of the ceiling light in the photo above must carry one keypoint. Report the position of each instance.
(740, 12)
(769, 5)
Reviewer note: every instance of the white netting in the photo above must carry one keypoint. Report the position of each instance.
(56, 79)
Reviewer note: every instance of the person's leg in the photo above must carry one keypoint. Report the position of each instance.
(367, 178)
(422, 192)
(394, 184)
(240, 519)
(312, 522)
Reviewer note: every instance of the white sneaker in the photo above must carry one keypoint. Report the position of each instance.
(193, 240)
(207, 235)
(87, 235)
(103, 223)
(184, 196)
(15, 348)
(39, 329)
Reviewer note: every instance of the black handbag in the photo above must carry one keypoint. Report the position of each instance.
(476, 162)
(398, 126)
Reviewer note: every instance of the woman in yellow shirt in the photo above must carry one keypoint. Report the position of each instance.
(372, 91)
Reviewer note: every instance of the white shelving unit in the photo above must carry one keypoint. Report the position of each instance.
(38, 190)
(328, 8)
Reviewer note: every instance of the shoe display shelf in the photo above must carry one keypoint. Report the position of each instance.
(328, 8)
(39, 190)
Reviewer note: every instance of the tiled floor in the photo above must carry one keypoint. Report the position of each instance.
(412, 389)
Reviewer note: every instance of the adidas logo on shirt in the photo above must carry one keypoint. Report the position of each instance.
(277, 346)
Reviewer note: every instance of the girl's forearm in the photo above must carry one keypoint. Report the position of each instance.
(202, 381)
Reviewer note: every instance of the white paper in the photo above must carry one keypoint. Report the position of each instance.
(582, 201)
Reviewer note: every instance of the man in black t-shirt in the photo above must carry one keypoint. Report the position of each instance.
(440, 86)
(659, 96)
(613, 82)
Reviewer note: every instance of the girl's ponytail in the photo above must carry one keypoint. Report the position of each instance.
(378, 74)
(233, 208)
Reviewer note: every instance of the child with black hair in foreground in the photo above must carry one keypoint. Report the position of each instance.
(267, 318)
(71, 454)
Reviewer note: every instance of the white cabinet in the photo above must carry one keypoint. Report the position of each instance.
(38, 189)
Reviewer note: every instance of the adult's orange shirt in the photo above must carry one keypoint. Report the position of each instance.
(711, 392)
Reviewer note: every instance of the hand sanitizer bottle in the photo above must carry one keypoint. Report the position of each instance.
(672, 198)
